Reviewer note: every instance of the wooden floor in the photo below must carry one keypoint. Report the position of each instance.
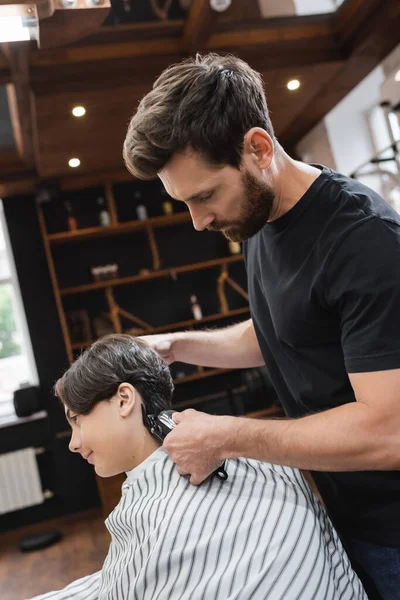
(81, 551)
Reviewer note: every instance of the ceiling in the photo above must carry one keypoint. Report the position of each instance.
(109, 71)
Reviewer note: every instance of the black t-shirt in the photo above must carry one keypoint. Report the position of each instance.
(324, 287)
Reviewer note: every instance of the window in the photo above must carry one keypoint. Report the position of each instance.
(17, 365)
(312, 7)
(383, 176)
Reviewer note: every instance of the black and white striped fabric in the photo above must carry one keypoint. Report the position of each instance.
(259, 535)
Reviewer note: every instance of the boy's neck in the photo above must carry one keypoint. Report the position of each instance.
(149, 445)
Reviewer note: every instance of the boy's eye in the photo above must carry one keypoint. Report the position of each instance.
(74, 418)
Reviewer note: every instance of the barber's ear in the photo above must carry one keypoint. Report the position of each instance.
(126, 397)
(259, 145)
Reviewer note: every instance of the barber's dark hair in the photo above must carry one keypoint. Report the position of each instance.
(206, 104)
(114, 359)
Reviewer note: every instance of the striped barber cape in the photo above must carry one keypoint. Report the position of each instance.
(259, 535)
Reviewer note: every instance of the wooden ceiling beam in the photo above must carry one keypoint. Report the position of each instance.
(66, 26)
(175, 38)
(19, 100)
(74, 55)
(101, 75)
(138, 31)
(228, 36)
(140, 61)
(5, 73)
(199, 25)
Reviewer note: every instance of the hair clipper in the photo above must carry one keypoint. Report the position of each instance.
(162, 424)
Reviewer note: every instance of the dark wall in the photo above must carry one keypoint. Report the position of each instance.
(62, 472)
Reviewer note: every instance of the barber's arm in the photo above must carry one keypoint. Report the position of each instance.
(360, 436)
(363, 289)
(86, 588)
(234, 347)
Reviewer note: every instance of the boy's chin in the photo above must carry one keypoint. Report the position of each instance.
(106, 473)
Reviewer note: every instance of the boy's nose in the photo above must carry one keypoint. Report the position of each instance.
(74, 444)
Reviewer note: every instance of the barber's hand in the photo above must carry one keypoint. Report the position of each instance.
(195, 445)
(163, 344)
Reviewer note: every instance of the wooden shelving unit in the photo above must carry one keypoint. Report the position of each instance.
(110, 488)
(201, 375)
(117, 228)
(179, 325)
(101, 285)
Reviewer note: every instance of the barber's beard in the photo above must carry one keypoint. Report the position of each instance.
(254, 211)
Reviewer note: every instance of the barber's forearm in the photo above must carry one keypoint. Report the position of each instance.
(233, 347)
(346, 438)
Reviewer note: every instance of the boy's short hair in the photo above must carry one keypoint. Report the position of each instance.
(114, 359)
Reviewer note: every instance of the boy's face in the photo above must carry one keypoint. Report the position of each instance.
(112, 436)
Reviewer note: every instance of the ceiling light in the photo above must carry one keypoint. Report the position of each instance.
(79, 111)
(74, 162)
(293, 84)
(18, 23)
(220, 5)
(397, 76)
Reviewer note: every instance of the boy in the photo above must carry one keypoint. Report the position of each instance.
(260, 534)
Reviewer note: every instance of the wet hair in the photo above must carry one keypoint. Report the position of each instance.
(205, 104)
(114, 359)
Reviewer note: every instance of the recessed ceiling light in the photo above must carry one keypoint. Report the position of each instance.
(74, 162)
(397, 76)
(293, 84)
(79, 111)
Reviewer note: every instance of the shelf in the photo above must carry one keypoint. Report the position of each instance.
(201, 375)
(171, 326)
(118, 229)
(207, 319)
(152, 275)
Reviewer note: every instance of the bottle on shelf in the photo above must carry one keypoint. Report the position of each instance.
(105, 272)
(72, 222)
(234, 247)
(167, 205)
(196, 308)
(104, 215)
(167, 208)
(141, 210)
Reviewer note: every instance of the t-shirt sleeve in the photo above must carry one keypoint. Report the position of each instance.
(362, 285)
(86, 588)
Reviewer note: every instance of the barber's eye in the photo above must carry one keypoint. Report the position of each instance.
(204, 198)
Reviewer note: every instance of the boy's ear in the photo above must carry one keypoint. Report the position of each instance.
(126, 397)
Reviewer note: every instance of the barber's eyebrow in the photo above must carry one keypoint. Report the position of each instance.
(198, 195)
(202, 193)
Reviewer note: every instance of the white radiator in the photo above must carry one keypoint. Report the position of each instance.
(20, 484)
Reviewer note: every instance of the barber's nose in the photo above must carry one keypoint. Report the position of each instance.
(200, 219)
